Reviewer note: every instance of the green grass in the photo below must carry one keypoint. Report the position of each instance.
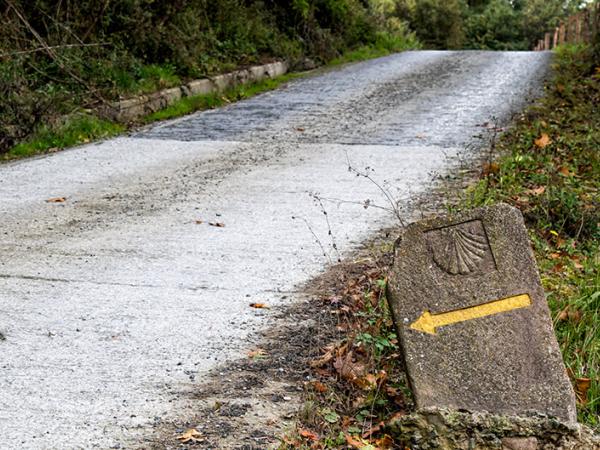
(383, 46)
(78, 129)
(142, 79)
(188, 105)
(556, 186)
(154, 77)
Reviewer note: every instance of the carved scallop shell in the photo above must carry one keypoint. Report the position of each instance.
(461, 252)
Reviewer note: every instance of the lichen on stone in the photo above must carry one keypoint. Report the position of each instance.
(445, 429)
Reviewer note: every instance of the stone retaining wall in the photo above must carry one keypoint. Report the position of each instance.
(134, 108)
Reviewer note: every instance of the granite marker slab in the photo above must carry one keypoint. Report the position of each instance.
(472, 317)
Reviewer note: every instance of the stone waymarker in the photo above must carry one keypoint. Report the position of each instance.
(473, 322)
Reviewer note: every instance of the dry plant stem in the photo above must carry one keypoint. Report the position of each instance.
(52, 53)
(393, 203)
(317, 240)
(329, 232)
(352, 202)
(491, 151)
(51, 47)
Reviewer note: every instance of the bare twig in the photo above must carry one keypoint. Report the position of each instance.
(316, 197)
(365, 204)
(52, 53)
(393, 203)
(98, 16)
(317, 240)
(51, 47)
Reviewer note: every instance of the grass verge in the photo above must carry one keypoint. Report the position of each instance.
(77, 129)
(195, 103)
(384, 45)
(549, 168)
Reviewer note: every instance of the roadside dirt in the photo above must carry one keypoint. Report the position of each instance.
(254, 402)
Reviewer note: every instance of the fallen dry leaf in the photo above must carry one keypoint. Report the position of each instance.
(259, 305)
(374, 429)
(319, 387)
(385, 442)
(355, 442)
(368, 382)
(575, 315)
(300, 129)
(536, 191)
(348, 369)
(490, 168)
(564, 314)
(191, 435)
(56, 200)
(543, 141)
(216, 224)
(328, 356)
(199, 222)
(565, 171)
(582, 385)
(258, 353)
(371, 381)
(323, 360)
(308, 435)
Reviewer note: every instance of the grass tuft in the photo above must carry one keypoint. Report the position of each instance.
(195, 103)
(78, 129)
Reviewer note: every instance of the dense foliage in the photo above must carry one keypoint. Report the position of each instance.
(483, 24)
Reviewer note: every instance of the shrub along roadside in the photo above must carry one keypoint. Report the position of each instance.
(549, 168)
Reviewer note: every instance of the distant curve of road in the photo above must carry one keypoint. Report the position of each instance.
(116, 302)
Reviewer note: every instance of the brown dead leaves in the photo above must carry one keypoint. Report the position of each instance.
(259, 305)
(543, 141)
(56, 200)
(490, 169)
(348, 368)
(308, 435)
(570, 314)
(359, 443)
(582, 386)
(258, 353)
(535, 191)
(190, 436)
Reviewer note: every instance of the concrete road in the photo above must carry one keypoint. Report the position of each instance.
(115, 302)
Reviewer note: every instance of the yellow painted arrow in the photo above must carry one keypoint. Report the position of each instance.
(427, 322)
